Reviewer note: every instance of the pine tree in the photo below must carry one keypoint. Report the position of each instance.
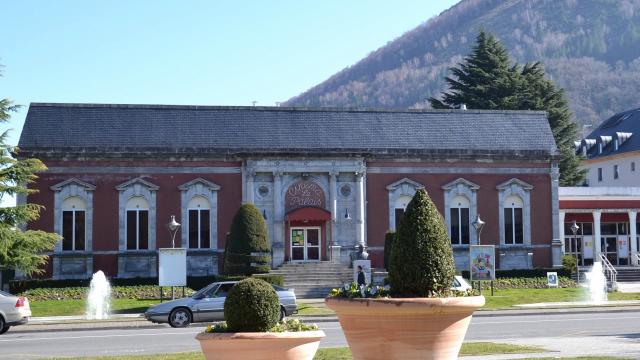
(487, 80)
(19, 249)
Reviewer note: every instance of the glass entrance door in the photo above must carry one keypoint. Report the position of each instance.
(609, 248)
(305, 244)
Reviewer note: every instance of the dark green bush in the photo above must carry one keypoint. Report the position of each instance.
(421, 258)
(247, 250)
(569, 263)
(389, 238)
(252, 305)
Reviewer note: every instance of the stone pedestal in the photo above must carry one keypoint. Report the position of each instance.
(202, 262)
(137, 264)
(557, 253)
(72, 266)
(277, 254)
(366, 268)
(335, 254)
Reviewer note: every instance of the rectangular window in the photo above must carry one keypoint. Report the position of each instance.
(73, 230)
(137, 229)
(616, 174)
(518, 228)
(199, 229)
(608, 229)
(459, 226)
(508, 226)
(464, 226)
(399, 216)
(67, 230)
(599, 174)
(586, 228)
(455, 226)
(513, 226)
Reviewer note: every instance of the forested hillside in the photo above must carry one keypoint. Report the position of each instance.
(591, 48)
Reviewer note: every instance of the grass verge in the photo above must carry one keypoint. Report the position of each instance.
(78, 307)
(488, 348)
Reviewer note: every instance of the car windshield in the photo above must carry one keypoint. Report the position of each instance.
(278, 288)
(201, 292)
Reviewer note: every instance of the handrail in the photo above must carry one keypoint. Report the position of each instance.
(637, 256)
(609, 269)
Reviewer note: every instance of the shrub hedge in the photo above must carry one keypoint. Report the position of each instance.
(525, 273)
(146, 288)
(389, 238)
(530, 283)
(252, 305)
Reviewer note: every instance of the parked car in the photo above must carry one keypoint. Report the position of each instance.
(460, 284)
(207, 305)
(14, 310)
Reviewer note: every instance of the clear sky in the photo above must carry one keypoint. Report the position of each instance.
(189, 52)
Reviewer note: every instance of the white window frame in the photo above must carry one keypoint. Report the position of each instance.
(147, 190)
(137, 211)
(469, 190)
(209, 191)
(187, 243)
(459, 240)
(73, 188)
(398, 189)
(73, 229)
(521, 189)
(513, 224)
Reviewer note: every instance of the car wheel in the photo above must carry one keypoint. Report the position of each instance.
(180, 317)
(282, 314)
(4, 329)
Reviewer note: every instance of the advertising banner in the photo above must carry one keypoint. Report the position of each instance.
(552, 279)
(482, 260)
(587, 247)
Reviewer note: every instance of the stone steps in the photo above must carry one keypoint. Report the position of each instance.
(313, 280)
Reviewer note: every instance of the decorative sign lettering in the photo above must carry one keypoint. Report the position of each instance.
(304, 194)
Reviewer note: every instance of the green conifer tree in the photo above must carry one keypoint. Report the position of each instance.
(19, 249)
(487, 80)
(247, 250)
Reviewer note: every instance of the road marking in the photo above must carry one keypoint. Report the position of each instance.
(550, 320)
(99, 336)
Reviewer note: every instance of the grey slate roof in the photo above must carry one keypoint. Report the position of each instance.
(110, 129)
(624, 122)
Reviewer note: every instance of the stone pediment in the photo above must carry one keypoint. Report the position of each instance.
(74, 181)
(463, 182)
(516, 182)
(205, 183)
(404, 181)
(138, 180)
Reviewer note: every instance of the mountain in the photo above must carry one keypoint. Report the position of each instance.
(591, 48)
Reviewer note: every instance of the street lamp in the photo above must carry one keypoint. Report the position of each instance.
(574, 230)
(173, 226)
(478, 224)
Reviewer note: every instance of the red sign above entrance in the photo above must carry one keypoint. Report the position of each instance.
(304, 194)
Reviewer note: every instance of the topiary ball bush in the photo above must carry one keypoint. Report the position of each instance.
(252, 305)
(247, 250)
(422, 262)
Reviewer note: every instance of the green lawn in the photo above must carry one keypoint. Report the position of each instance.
(468, 349)
(508, 297)
(78, 307)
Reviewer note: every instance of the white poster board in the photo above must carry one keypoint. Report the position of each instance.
(587, 247)
(173, 267)
(366, 268)
(623, 246)
(552, 279)
(482, 259)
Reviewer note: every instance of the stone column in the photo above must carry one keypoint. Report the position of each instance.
(557, 228)
(633, 215)
(561, 216)
(333, 200)
(360, 240)
(596, 234)
(278, 221)
(250, 175)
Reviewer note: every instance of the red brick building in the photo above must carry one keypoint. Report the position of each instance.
(326, 181)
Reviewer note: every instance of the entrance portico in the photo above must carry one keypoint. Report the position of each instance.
(305, 199)
(607, 224)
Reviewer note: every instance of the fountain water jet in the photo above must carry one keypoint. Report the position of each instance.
(597, 284)
(98, 300)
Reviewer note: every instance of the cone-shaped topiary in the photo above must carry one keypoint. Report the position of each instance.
(421, 258)
(252, 305)
(389, 238)
(247, 251)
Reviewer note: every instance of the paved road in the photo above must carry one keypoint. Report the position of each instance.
(568, 334)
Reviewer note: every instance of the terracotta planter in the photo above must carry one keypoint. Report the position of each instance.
(259, 346)
(412, 328)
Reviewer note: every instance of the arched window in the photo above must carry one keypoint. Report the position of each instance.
(137, 223)
(400, 194)
(73, 224)
(513, 220)
(459, 215)
(199, 211)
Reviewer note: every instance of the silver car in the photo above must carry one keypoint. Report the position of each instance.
(207, 305)
(14, 310)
